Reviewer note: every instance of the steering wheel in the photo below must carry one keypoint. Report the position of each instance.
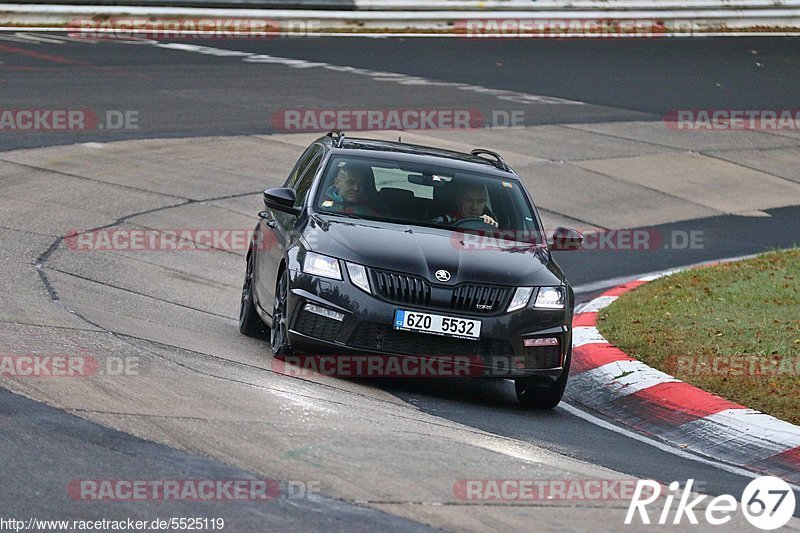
(474, 223)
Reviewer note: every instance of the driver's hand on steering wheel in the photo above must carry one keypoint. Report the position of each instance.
(489, 220)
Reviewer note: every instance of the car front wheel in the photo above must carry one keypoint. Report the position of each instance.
(278, 338)
(541, 394)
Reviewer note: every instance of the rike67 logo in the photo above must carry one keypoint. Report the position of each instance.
(767, 502)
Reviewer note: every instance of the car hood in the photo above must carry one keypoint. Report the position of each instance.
(424, 251)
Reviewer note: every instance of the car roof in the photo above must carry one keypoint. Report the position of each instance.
(400, 151)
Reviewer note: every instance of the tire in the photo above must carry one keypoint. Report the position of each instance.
(540, 394)
(278, 339)
(250, 323)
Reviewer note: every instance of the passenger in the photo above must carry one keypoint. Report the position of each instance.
(470, 203)
(348, 192)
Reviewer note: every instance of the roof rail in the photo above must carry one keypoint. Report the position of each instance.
(338, 136)
(499, 162)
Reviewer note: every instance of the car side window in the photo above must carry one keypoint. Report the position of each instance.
(304, 184)
(302, 165)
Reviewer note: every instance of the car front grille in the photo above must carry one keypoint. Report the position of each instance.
(413, 290)
(401, 288)
(383, 338)
(479, 298)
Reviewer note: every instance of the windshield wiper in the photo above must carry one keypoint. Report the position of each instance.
(337, 214)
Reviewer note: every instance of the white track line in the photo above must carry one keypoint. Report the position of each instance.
(660, 445)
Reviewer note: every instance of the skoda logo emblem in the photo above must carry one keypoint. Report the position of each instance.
(442, 275)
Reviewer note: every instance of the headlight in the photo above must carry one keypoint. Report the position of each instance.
(322, 265)
(520, 299)
(358, 276)
(550, 298)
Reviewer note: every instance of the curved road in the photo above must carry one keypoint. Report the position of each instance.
(592, 148)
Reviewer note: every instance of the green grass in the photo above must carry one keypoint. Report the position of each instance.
(746, 312)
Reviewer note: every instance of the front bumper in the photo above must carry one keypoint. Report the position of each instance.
(367, 328)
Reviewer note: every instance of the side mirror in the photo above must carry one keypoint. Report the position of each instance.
(281, 199)
(566, 239)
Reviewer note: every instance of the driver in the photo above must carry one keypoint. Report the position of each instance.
(470, 203)
(347, 194)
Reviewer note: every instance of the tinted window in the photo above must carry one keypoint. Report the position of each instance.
(303, 186)
(302, 165)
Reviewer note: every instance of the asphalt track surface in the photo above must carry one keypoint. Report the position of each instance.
(187, 94)
(201, 94)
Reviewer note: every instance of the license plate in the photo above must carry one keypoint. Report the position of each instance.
(462, 328)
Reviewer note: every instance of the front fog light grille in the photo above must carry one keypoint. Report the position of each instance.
(316, 325)
(541, 357)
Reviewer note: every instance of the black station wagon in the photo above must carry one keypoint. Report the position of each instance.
(389, 248)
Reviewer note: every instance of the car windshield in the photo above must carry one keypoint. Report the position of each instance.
(426, 195)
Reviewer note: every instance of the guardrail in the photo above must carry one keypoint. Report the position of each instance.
(509, 18)
(234, 4)
(562, 5)
(451, 5)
